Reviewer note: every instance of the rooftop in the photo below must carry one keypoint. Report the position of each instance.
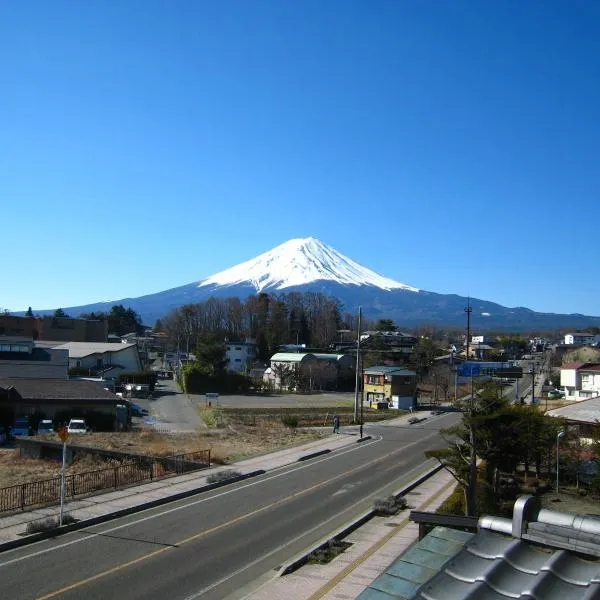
(583, 411)
(539, 554)
(289, 356)
(81, 349)
(58, 389)
(387, 370)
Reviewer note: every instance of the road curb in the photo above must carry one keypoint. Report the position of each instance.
(363, 439)
(301, 559)
(44, 535)
(313, 455)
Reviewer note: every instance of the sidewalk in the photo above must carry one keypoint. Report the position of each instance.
(101, 507)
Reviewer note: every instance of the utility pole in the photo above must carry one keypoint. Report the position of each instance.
(357, 381)
(468, 310)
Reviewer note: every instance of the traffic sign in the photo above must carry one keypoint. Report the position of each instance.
(510, 373)
(63, 434)
(469, 370)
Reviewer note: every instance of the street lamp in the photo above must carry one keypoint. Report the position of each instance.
(558, 436)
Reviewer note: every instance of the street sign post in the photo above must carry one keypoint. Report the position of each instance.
(63, 434)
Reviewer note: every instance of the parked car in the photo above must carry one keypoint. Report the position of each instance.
(21, 427)
(77, 426)
(45, 426)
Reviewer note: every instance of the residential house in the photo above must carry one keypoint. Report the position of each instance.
(309, 371)
(107, 360)
(394, 342)
(55, 398)
(582, 339)
(392, 385)
(240, 355)
(21, 359)
(580, 381)
(582, 416)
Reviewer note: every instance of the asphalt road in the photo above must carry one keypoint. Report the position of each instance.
(215, 544)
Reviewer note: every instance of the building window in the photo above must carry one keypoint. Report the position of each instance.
(238, 347)
(238, 360)
(374, 379)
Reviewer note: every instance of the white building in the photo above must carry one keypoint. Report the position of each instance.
(582, 339)
(240, 355)
(108, 360)
(580, 381)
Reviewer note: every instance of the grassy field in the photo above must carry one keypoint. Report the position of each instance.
(232, 441)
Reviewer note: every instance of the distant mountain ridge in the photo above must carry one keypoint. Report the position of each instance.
(307, 264)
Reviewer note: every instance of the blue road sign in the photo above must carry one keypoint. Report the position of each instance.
(469, 370)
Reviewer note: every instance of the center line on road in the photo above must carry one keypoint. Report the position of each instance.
(207, 532)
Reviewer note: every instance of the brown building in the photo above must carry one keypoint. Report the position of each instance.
(58, 400)
(59, 329)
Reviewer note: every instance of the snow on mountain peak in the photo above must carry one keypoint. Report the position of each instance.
(297, 262)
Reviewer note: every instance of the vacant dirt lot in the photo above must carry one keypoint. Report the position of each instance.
(227, 444)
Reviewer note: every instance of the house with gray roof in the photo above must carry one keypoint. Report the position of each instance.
(105, 359)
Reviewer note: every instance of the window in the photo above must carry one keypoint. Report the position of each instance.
(238, 347)
(374, 379)
(238, 360)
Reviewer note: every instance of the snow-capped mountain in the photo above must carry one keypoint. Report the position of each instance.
(309, 265)
(299, 262)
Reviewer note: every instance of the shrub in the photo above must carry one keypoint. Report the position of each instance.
(326, 553)
(454, 504)
(290, 421)
(47, 524)
(221, 476)
(389, 506)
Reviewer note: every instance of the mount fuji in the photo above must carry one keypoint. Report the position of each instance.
(309, 265)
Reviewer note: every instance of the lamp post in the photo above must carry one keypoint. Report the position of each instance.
(558, 436)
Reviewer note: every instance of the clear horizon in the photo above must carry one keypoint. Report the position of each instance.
(448, 146)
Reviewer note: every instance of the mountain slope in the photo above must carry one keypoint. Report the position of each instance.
(299, 262)
(309, 265)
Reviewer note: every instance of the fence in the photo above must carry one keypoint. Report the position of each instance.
(47, 491)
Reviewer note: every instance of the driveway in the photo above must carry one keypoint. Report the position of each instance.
(173, 410)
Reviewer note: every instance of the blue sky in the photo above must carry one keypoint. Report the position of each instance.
(453, 146)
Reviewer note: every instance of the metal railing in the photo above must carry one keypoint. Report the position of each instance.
(47, 491)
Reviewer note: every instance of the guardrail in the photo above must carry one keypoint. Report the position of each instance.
(47, 491)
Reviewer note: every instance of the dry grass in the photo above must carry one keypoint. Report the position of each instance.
(226, 445)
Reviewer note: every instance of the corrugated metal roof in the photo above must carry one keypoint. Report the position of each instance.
(387, 370)
(584, 411)
(291, 357)
(331, 357)
(81, 349)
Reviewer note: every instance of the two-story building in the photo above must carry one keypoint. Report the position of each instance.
(21, 359)
(582, 339)
(107, 360)
(240, 355)
(392, 385)
(580, 381)
(306, 371)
